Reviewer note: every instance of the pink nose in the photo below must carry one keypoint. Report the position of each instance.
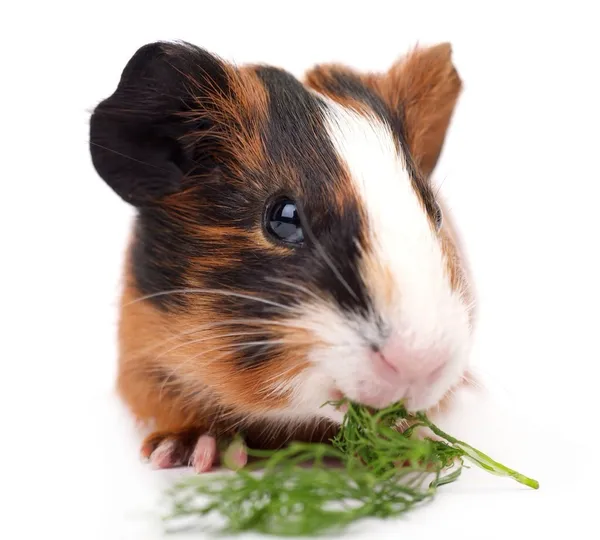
(396, 362)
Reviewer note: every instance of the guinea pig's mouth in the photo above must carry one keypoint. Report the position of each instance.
(376, 401)
(336, 395)
(378, 394)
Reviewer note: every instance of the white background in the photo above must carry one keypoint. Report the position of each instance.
(519, 170)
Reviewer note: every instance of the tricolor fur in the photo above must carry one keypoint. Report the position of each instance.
(224, 328)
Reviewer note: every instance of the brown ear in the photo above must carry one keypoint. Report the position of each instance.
(425, 86)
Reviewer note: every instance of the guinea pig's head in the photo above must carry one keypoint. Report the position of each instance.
(289, 229)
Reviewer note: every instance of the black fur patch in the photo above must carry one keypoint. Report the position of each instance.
(296, 135)
(160, 258)
(135, 133)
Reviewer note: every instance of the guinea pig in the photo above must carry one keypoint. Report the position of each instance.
(288, 247)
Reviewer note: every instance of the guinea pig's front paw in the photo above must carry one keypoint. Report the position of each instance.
(193, 448)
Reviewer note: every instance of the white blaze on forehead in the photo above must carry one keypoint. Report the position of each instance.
(400, 235)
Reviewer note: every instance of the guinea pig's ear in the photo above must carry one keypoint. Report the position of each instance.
(137, 134)
(425, 86)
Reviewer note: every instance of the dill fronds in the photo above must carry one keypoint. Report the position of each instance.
(383, 472)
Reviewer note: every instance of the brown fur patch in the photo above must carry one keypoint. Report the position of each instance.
(181, 372)
(380, 277)
(426, 86)
(423, 87)
(458, 268)
(322, 79)
(237, 118)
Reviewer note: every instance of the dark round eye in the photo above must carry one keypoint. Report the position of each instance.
(439, 217)
(283, 222)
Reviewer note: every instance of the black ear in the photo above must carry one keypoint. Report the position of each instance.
(136, 134)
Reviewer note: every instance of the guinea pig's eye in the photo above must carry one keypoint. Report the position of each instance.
(283, 222)
(439, 218)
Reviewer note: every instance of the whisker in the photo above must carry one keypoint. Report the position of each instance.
(248, 322)
(324, 255)
(128, 157)
(295, 286)
(276, 389)
(274, 377)
(242, 420)
(202, 340)
(236, 347)
(212, 291)
(191, 392)
(228, 349)
(476, 382)
(440, 186)
(179, 367)
(233, 347)
(317, 426)
(470, 305)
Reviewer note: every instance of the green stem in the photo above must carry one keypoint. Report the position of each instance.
(479, 458)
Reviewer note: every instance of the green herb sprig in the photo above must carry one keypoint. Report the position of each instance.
(380, 471)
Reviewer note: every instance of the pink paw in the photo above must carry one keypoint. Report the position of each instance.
(192, 449)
